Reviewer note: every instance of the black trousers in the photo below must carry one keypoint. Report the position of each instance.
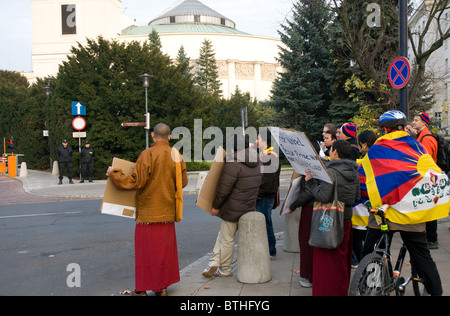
(65, 165)
(420, 255)
(87, 169)
(432, 231)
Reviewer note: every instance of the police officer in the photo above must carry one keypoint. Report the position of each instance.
(65, 161)
(87, 162)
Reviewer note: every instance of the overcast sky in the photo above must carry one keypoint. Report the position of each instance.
(258, 17)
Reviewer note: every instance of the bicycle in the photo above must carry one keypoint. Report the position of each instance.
(375, 276)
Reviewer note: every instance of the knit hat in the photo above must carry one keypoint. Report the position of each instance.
(349, 129)
(423, 117)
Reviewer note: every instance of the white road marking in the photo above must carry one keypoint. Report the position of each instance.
(43, 214)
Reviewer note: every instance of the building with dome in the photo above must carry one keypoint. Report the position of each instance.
(245, 61)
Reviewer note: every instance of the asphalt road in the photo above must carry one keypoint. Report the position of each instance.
(43, 245)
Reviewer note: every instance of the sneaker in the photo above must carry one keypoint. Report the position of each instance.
(221, 274)
(304, 282)
(209, 271)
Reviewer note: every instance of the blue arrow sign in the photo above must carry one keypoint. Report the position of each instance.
(78, 108)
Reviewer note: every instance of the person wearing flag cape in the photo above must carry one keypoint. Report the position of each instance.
(401, 174)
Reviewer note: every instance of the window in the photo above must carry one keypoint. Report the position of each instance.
(172, 19)
(197, 18)
(438, 118)
(222, 21)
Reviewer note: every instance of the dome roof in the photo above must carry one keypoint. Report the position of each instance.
(192, 11)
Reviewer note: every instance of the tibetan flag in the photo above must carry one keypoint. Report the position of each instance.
(400, 172)
(360, 212)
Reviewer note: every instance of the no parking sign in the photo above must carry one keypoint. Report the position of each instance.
(399, 73)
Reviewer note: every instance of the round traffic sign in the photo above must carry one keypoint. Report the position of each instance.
(399, 73)
(79, 123)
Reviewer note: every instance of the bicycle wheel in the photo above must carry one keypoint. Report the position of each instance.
(372, 277)
(417, 282)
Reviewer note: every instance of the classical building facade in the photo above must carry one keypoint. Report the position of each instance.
(245, 61)
(437, 66)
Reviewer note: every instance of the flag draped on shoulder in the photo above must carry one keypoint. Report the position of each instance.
(400, 172)
(360, 212)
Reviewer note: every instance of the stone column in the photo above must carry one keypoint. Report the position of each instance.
(253, 261)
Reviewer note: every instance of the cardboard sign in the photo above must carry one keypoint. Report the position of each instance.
(301, 154)
(292, 193)
(119, 202)
(207, 192)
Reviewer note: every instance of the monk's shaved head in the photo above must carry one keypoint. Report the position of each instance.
(161, 130)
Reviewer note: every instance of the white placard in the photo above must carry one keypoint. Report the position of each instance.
(301, 154)
(79, 134)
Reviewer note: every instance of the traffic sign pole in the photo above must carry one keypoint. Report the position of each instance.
(403, 50)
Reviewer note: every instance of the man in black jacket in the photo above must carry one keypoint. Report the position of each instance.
(87, 162)
(268, 191)
(65, 161)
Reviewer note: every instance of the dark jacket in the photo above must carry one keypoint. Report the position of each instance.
(65, 154)
(239, 185)
(346, 172)
(270, 180)
(306, 197)
(87, 155)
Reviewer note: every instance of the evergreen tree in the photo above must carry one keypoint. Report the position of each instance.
(302, 93)
(104, 75)
(207, 74)
(184, 61)
(155, 41)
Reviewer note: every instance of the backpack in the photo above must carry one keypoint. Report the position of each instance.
(443, 153)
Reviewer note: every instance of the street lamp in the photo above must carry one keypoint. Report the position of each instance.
(146, 81)
(47, 93)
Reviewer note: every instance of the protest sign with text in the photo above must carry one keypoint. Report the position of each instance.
(301, 154)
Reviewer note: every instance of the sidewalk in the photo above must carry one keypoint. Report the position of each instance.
(44, 184)
(285, 278)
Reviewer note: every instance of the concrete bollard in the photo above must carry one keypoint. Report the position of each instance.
(291, 224)
(23, 170)
(201, 179)
(55, 170)
(253, 262)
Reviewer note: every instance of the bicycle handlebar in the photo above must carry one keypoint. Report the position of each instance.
(380, 212)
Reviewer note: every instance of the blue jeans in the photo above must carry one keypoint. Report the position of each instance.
(264, 205)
